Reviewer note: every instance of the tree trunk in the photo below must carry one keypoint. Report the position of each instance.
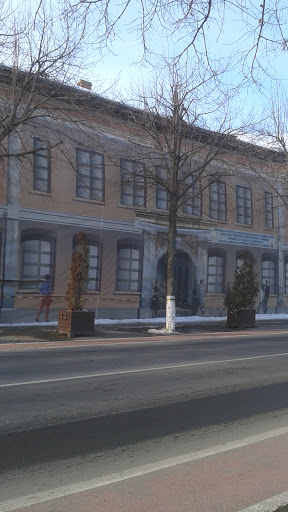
(171, 253)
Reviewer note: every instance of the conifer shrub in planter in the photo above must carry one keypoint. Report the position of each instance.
(241, 296)
(75, 321)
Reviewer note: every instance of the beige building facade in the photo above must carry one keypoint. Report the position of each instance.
(74, 178)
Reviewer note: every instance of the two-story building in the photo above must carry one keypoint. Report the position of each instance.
(73, 177)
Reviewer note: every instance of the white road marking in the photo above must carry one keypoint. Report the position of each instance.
(270, 505)
(68, 490)
(163, 339)
(140, 370)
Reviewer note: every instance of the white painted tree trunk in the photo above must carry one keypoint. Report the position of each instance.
(170, 313)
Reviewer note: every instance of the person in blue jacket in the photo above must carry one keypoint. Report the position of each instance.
(45, 292)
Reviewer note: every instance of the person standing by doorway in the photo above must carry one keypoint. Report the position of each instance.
(266, 296)
(155, 302)
(202, 296)
(45, 292)
(195, 299)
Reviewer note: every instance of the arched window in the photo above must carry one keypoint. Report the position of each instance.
(129, 266)
(269, 272)
(216, 272)
(38, 259)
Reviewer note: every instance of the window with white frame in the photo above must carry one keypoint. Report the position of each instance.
(269, 221)
(193, 197)
(41, 166)
(133, 187)
(216, 272)
(217, 200)
(244, 205)
(129, 266)
(89, 175)
(38, 259)
(269, 273)
(162, 197)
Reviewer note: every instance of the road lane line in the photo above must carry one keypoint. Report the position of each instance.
(140, 370)
(269, 505)
(162, 339)
(67, 490)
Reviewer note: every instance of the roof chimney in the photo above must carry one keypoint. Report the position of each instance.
(85, 84)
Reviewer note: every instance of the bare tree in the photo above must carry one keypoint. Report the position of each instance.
(198, 27)
(43, 52)
(184, 157)
(271, 135)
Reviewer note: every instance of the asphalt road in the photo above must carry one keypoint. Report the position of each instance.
(68, 413)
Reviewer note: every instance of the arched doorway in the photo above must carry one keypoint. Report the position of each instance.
(183, 274)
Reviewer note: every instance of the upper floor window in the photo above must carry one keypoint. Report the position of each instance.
(41, 166)
(244, 205)
(269, 273)
(216, 272)
(132, 183)
(162, 197)
(38, 259)
(193, 197)
(269, 221)
(129, 266)
(217, 200)
(89, 175)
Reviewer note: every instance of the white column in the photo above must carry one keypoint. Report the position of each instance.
(11, 235)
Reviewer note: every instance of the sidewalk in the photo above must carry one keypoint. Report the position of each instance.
(105, 328)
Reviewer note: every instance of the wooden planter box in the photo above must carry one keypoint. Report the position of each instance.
(76, 323)
(243, 319)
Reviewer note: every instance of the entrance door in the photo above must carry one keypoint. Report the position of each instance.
(183, 277)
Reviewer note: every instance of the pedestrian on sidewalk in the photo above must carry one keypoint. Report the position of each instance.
(45, 292)
(195, 299)
(202, 296)
(266, 296)
(261, 299)
(155, 302)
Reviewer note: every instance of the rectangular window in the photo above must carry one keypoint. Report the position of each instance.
(94, 266)
(37, 260)
(132, 183)
(244, 205)
(129, 269)
(41, 166)
(193, 198)
(217, 201)
(269, 274)
(162, 198)
(216, 271)
(269, 221)
(89, 175)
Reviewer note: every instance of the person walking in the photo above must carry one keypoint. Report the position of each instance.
(202, 296)
(266, 296)
(155, 302)
(195, 299)
(45, 292)
(261, 298)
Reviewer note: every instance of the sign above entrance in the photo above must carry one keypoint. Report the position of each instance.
(234, 237)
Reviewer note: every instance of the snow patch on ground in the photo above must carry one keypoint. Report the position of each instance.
(151, 321)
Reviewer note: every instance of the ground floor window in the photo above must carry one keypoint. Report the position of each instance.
(129, 266)
(38, 257)
(269, 273)
(216, 273)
